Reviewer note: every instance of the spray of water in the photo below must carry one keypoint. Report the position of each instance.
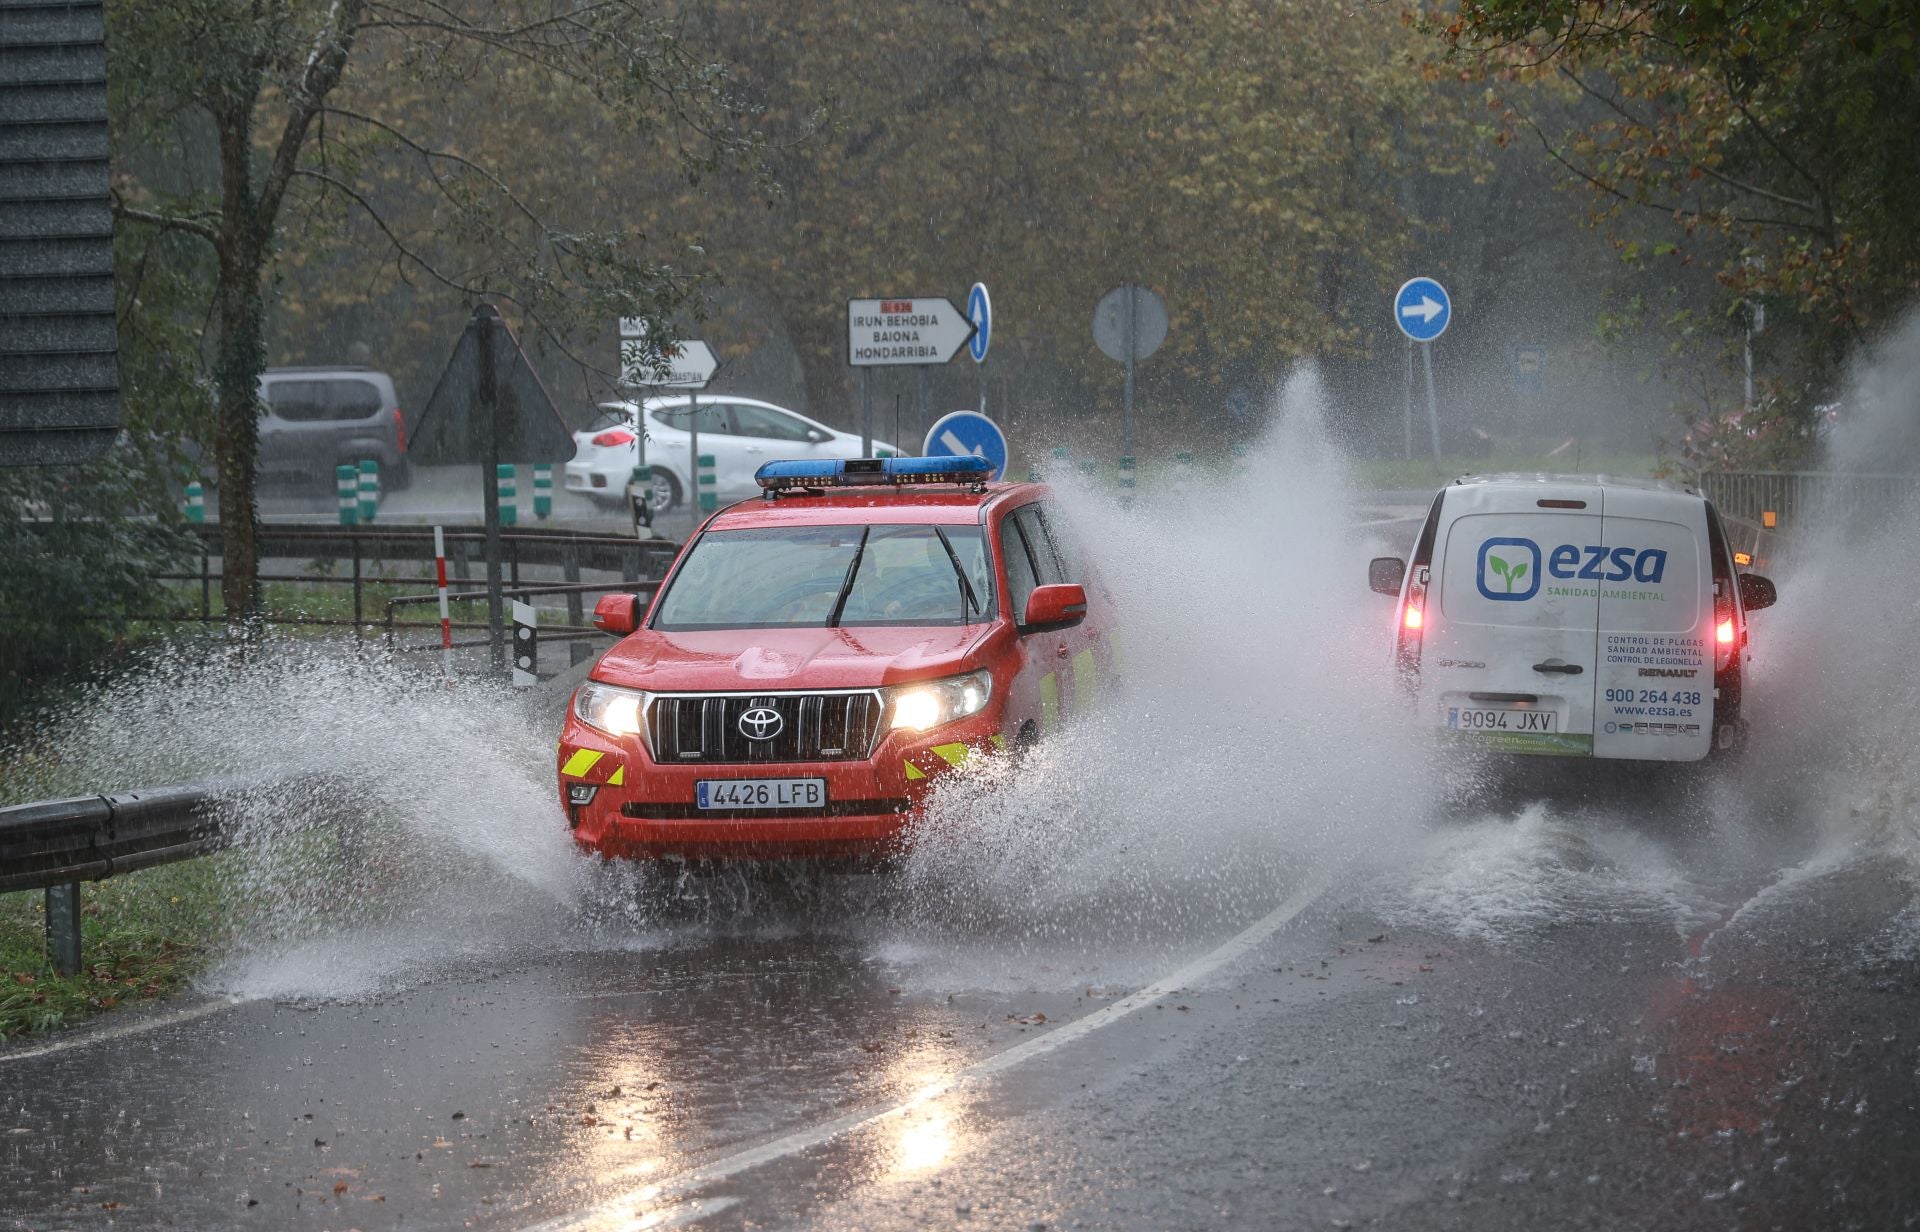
(1248, 744)
(1251, 743)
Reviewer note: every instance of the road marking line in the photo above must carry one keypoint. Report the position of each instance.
(101, 1036)
(615, 1212)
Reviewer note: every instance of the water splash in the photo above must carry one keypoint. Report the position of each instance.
(1250, 741)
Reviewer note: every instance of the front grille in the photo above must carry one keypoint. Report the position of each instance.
(694, 730)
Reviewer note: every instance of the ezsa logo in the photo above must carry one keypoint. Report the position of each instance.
(1516, 565)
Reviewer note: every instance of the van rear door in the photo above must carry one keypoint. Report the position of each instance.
(1508, 655)
(1655, 700)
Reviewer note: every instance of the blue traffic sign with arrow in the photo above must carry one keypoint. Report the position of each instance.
(968, 434)
(980, 312)
(1422, 309)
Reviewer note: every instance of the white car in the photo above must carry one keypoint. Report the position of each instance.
(740, 433)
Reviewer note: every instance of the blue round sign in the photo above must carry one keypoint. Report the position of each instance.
(1422, 309)
(968, 434)
(980, 312)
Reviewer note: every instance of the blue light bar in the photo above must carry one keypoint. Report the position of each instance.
(870, 472)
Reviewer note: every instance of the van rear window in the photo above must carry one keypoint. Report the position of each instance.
(307, 401)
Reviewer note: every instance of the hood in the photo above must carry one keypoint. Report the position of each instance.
(738, 660)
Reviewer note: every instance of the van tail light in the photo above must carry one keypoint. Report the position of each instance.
(1726, 633)
(1413, 622)
(399, 431)
(614, 436)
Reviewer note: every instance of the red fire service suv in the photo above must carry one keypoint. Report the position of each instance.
(820, 656)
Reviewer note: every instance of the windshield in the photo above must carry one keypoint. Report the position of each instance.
(811, 577)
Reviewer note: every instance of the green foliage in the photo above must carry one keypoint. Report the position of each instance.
(1773, 140)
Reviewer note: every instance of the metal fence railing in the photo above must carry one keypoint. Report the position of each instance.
(1794, 497)
(54, 845)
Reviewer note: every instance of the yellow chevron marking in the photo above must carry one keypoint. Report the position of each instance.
(914, 772)
(954, 755)
(1049, 702)
(582, 761)
(999, 742)
(618, 778)
(1085, 668)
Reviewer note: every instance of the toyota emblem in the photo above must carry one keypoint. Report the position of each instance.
(761, 723)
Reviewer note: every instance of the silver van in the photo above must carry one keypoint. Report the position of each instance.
(315, 419)
(1574, 616)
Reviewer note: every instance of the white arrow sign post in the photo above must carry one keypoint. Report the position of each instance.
(687, 365)
(1423, 310)
(901, 332)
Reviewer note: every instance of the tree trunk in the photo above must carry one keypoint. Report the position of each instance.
(243, 355)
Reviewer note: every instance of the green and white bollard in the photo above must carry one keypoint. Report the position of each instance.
(1236, 458)
(369, 489)
(543, 490)
(1126, 479)
(195, 505)
(640, 499)
(1088, 468)
(708, 484)
(509, 494)
(346, 480)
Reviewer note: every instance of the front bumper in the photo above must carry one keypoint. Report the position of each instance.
(641, 810)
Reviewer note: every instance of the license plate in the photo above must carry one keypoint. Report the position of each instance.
(1499, 719)
(761, 793)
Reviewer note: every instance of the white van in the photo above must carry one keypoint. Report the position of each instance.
(1574, 616)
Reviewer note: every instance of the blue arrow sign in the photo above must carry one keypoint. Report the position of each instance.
(1422, 309)
(968, 433)
(980, 312)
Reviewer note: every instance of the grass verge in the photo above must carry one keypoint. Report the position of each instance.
(144, 935)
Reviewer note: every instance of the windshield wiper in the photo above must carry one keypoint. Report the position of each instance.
(846, 587)
(968, 602)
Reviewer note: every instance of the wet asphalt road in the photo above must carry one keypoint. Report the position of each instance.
(1590, 1005)
(1652, 1033)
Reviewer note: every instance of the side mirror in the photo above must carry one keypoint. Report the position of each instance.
(1386, 573)
(617, 614)
(1757, 592)
(816, 437)
(1060, 606)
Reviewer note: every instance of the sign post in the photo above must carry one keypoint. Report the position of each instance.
(1422, 310)
(919, 332)
(489, 407)
(689, 365)
(980, 312)
(1129, 324)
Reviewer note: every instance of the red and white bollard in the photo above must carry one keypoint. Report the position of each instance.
(446, 621)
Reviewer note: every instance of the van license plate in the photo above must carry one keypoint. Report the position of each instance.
(1494, 719)
(761, 793)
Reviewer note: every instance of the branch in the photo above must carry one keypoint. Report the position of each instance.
(1672, 210)
(406, 253)
(201, 227)
(326, 61)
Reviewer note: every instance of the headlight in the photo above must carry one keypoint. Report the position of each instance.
(615, 711)
(933, 702)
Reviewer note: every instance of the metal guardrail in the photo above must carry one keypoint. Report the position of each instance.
(634, 560)
(56, 845)
(1793, 497)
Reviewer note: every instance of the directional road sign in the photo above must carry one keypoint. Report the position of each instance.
(1130, 323)
(922, 331)
(1422, 309)
(968, 433)
(980, 312)
(1529, 368)
(688, 364)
